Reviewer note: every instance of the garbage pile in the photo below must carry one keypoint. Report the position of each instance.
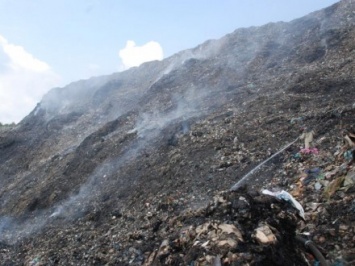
(310, 197)
(250, 228)
(237, 228)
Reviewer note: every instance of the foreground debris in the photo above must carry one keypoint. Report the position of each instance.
(242, 227)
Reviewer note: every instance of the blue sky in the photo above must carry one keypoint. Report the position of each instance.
(47, 43)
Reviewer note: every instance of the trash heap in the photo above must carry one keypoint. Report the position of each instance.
(122, 169)
(237, 228)
(310, 196)
(246, 227)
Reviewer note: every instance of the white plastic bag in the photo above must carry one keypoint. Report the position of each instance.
(284, 195)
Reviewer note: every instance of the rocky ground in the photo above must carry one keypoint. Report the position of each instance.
(140, 170)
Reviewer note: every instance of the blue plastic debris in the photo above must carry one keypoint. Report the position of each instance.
(311, 175)
(348, 155)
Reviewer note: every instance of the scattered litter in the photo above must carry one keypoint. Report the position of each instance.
(308, 138)
(349, 181)
(333, 187)
(309, 151)
(297, 156)
(245, 178)
(296, 120)
(228, 242)
(350, 139)
(312, 174)
(348, 155)
(284, 195)
(230, 229)
(317, 186)
(164, 248)
(264, 235)
(35, 262)
(330, 174)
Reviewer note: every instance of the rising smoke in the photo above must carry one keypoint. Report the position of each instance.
(190, 100)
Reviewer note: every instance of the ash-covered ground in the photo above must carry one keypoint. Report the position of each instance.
(136, 168)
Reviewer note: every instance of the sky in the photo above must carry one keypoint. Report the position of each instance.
(51, 43)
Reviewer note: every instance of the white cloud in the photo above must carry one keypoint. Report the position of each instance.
(133, 55)
(24, 79)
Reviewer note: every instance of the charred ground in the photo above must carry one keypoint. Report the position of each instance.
(115, 170)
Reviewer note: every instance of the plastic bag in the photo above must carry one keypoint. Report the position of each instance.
(284, 195)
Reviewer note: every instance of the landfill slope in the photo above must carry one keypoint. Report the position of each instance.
(135, 168)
